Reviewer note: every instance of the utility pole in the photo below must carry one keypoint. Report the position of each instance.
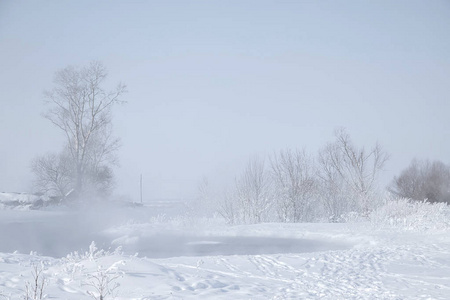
(140, 181)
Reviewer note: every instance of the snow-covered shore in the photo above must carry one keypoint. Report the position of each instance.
(325, 261)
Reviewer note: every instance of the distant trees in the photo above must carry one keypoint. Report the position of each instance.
(294, 185)
(350, 171)
(297, 187)
(229, 208)
(82, 109)
(251, 199)
(422, 180)
(253, 192)
(335, 194)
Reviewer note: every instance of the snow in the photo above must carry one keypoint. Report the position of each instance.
(20, 200)
(20, 197)
(183, 258)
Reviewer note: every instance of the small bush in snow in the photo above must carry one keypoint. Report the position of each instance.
(103, 283)
(35, 290)
(74, 263)
(93, 254)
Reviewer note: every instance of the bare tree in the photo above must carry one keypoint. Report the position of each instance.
(335, 194)
(229, 209)
(356, 168)
(100, 157)
(81, 108)
(53, 173)
(423, 180)
(294, 185)
(253, 192)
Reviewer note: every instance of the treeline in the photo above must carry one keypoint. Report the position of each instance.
(337, 183)
(294, 186)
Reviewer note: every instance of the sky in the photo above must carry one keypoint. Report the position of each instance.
(212, 83)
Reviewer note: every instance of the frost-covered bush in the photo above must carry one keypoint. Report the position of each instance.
(34, 290)
(406, 214)
(88, 268)
(103, 282)
(92, 254)
(74, 264)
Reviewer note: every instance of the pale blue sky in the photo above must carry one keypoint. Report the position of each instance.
(213, 82)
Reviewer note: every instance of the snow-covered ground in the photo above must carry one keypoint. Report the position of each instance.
(21, 200)
(158, 258)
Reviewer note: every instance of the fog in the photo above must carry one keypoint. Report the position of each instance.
(59, 233)
(212, 84)
(224, 149)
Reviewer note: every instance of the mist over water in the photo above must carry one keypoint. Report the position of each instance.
(58, 233)
(49, 233)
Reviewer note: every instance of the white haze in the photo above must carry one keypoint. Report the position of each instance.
(212, 84)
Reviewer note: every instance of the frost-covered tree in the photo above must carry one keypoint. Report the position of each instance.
(336, 196)
(81, 108)
(229, 208)
(251, 199)
(53, 173)
(423, 180)
(294, 186)
(352, 170)
(253, 192)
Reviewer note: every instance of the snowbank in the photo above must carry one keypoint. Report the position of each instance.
(21, 200)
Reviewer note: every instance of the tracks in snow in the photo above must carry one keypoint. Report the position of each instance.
(389, 272)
